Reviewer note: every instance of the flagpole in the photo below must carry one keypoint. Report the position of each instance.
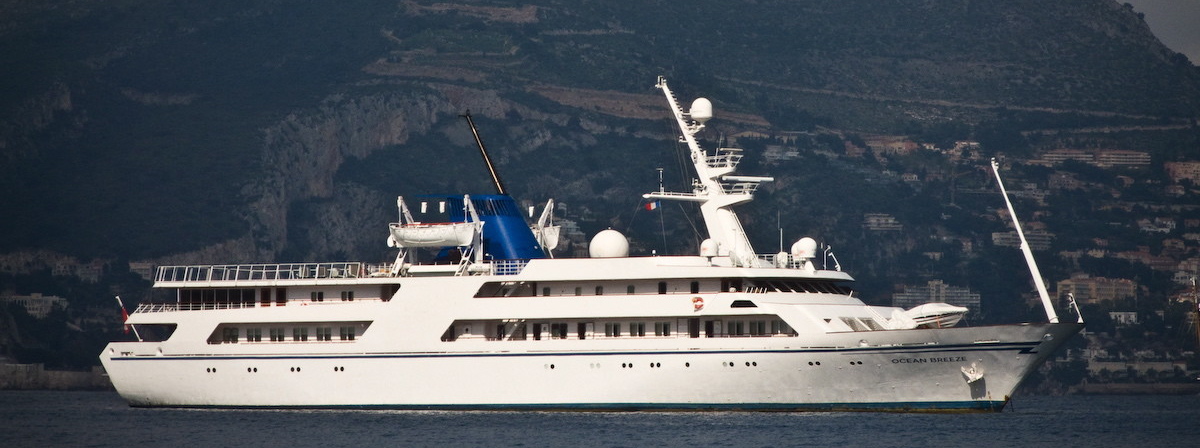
(125, 318)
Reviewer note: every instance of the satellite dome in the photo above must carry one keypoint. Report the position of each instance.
(701, 110)
(609, 244)
(805, 248)
(709, 248)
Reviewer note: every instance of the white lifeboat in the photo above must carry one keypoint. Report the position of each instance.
(433, 234)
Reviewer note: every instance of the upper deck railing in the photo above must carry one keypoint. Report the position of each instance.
(304, 271)
(279, 271)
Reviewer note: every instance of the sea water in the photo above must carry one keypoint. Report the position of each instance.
(102, 419)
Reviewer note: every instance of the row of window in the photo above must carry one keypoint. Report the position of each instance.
(531, 289)
(691, 327)
(319, 296)
(220, 298)
(233, 335)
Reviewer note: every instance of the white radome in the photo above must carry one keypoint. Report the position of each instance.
(609, 244)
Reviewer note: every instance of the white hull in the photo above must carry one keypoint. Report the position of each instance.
(889, 370)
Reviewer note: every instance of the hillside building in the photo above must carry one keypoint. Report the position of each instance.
(1178, 171)
(936, 291)
(881, 222)
(36, 304)
(1089, 289)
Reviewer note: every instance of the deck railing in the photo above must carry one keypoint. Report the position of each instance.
(298, 271)
(280, 271)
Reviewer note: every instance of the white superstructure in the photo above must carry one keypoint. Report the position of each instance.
(724, 329)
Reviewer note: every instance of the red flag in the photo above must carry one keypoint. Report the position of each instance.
(125, 318)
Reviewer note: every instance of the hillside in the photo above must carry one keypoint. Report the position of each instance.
(256, 130)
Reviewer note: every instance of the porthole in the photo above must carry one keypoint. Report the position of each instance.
(755, 363)
(687, 364)
(747, 363)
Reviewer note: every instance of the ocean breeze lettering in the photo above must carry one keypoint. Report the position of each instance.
(925, 360)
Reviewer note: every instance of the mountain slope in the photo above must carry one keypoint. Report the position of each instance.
(250, 130)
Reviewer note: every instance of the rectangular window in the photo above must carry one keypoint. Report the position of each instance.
(254, 335)
(579, 290)
(599, 290)
(662, 287)
(265, 296)
(758, 327)
(695, 287)
(276, 334)
(280, 296)
(662, 328)
(324, 333)
(612, 329)
(230, 335)
(558, 331)
(300, 334)
(629, 289)
(347, 296)
(737, 328)
(637, 329)
(546, 291)
(346, 333)
(316, 296)
(537, 332)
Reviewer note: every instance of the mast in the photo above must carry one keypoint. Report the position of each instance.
(487, 160)
(1033, 269)
(715, 190)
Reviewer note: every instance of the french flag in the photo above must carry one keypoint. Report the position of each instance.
(652, 205)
